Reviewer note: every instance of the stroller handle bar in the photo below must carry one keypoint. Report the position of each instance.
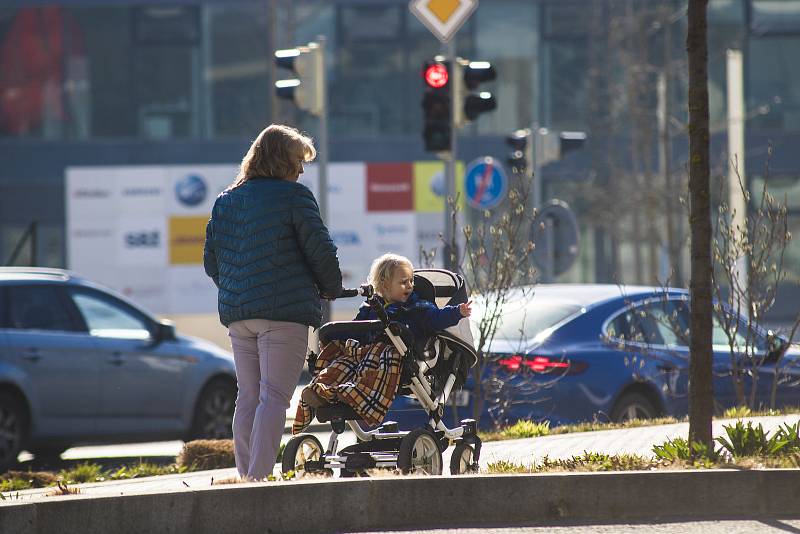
(364, 291)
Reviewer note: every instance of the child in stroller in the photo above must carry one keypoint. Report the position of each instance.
(361, 369)
(364, 363)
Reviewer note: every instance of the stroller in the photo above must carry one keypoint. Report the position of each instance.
(432, 369)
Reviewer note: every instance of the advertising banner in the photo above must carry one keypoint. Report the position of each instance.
(390, 187)
(141, 229)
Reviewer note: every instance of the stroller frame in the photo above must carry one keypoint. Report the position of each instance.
(416, 451)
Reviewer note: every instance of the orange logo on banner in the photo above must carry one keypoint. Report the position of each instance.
(187, 236)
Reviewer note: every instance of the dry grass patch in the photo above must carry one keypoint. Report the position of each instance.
(204, 454)
(227, 481)
(62, 489)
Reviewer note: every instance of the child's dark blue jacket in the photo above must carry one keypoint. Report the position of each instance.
(421, 316)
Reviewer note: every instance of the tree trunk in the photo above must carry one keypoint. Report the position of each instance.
(701, 394)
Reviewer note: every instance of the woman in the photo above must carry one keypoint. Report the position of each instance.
(271, 257)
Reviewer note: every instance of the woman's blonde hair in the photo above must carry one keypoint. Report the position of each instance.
(276, 152)
(383, 268)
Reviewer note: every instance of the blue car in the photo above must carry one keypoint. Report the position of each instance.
(583, 352)
(80, 363)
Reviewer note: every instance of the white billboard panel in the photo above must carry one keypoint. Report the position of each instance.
(192, 189)
(90, 194)
(142, 241)
(191, 290)
(91, 245)
(140, 190)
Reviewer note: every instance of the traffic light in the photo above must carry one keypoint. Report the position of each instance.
(437, 130)
(521, 157)
(468, 76)
(569, 141)
(307, 91)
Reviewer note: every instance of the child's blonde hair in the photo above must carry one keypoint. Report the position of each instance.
(383, 268)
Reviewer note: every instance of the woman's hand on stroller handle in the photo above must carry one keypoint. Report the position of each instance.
(364, 291)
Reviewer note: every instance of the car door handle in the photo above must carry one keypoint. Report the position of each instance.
(32, 355)
(116, 359)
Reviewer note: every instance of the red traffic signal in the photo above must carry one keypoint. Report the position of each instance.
(436, 75)
(436, 104)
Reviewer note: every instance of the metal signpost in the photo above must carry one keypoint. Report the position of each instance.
(444, 18)
(555, 233)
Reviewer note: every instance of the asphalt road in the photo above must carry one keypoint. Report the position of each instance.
(754, 526)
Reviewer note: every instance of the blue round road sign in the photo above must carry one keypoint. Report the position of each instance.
(486, 183)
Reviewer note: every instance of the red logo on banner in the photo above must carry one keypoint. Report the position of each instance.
(390, 187)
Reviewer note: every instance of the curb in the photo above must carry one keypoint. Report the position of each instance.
(419, 502)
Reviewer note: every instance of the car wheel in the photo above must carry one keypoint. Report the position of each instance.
(213, 417)
(13, 429)
(462, 459)
(48, 454)
(419, 453)
(633, 406)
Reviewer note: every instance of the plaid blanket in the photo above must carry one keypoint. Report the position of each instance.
(365, 377)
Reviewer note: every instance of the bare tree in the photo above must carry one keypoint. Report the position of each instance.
(701, 392)
(741, 310)
(494, 255)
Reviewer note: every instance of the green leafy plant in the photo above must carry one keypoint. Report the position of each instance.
(737, 412)
(791, 435)
(506, 467)
(83, 472)
(748, 440)
(145, 469)
(596, 461)
(526, 429)
(680, 450)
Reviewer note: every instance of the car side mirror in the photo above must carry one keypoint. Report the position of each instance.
(165, 331)
(775, 346)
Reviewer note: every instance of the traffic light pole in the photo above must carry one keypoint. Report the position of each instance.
(538, 154)
(323, 153)
(449, 50)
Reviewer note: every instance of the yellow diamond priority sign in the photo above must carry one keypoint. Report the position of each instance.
(443, 17)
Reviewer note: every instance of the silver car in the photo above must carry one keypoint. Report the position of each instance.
(80, 363)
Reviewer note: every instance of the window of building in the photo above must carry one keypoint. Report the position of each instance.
(238, 95)
(773, 90)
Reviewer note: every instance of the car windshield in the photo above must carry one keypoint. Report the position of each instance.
(525, 319)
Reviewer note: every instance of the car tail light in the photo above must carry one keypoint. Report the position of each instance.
(540, 364)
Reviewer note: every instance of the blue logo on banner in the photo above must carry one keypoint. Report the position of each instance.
(191, 190)
(486, 183)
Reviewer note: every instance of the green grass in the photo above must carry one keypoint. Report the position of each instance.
(530, 429)
(587, 462)
(83, 473)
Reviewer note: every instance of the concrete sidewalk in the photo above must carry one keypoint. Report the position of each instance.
(625, 441)
(525, 451)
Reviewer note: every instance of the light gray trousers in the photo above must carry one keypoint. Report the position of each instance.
(269, 357)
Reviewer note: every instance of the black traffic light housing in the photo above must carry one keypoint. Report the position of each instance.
(436, 102)
(521, 157)
(307, 90)
(468, 77)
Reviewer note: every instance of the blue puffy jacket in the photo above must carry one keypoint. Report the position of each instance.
(270, 254)
(422, 317)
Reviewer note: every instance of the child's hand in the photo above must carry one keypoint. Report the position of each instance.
(465, 309)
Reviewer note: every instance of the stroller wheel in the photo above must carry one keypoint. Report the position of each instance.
(462, 459)
(301, 449)
(419, 453)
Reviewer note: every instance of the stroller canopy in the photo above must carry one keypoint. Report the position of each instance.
(447, 288)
